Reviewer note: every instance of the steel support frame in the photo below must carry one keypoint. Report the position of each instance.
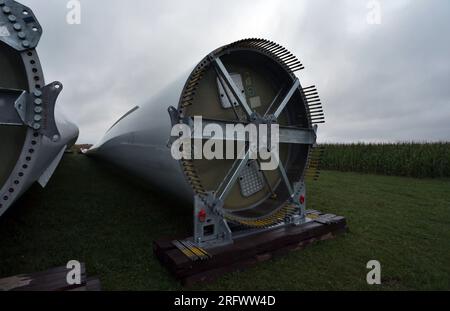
(211, 227)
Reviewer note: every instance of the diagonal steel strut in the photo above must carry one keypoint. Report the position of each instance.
(287, 98)
(232, 176)
(230, 83)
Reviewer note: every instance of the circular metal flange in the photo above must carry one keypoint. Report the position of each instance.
(288, 64)
(16, 182)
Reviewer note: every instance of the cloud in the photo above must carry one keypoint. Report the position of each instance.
(384, 82)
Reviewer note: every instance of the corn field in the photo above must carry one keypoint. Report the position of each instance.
(402, 159)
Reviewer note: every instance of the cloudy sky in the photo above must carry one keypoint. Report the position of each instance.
(378, 82)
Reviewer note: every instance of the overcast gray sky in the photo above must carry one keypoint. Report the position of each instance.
(378, 82)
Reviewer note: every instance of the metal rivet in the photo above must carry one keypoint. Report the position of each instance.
(12, 18)
(36, 126)
(6, 10)
(22, 35)
(25, 43)
(37, 93)
(38, 101)
(37, 118)
(38, 109)
(17, 26)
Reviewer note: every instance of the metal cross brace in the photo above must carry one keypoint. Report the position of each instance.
(35, 110)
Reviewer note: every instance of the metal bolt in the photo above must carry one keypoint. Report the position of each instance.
(37, 93)
(12, 18)
(38, 109)
(37, 118)
(55, 138)
(17, 26)
(2, 2)
(38, 101)
(25, 43)
(6, 10)
(22, 35)
(36, 126)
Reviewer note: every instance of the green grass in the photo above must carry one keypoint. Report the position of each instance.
(90, 214)
(404, 159)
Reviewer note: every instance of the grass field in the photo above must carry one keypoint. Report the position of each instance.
(90, 214)
(431, 160)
